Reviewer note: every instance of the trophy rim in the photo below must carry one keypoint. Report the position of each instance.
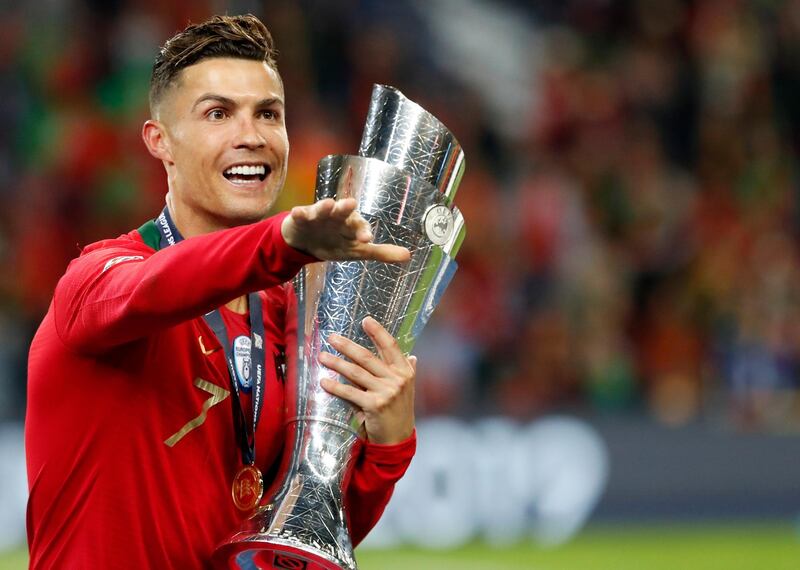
(251, 541)
(416, 106)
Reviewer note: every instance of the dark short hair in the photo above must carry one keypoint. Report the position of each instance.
(243, 37)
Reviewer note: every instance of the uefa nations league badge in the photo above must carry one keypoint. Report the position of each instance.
(241, 358)
(438, 224)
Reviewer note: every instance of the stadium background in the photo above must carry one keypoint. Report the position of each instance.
(631, 268)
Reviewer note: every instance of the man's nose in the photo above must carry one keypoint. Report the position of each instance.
(248, 135)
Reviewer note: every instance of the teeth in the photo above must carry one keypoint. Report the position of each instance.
(247, 170)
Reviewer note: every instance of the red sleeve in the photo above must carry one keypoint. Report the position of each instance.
(377, 469)
(124, 290)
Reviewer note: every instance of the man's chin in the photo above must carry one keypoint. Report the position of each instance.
(243, 212)
(244, 217)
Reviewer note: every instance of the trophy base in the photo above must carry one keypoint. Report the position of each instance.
(271, 552)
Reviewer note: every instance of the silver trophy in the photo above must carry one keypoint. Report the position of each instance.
(404, 179)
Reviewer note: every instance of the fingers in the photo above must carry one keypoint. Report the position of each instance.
(342, 213)
(382, 392)
(315, 211)
(300, 213)
(361, 226)
(357, 227)
(384, 252)
(353, 372)
(385, 343)
(387, 347)
(370, 252)
(342, 208)
(357, 354)
(345, 392)
(335, 231)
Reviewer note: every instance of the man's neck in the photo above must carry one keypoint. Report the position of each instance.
(188, 223)
(238, 305)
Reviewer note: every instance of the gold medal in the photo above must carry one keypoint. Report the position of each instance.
(248, 487)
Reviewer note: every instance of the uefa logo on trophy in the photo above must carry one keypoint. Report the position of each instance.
(404, 179)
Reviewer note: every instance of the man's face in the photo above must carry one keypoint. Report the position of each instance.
(224, 126)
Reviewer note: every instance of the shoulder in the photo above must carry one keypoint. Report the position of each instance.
(102, 255)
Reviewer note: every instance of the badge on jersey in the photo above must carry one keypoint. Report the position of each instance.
(244, 367)
(120, 259)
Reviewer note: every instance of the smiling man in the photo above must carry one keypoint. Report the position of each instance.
(156, 378)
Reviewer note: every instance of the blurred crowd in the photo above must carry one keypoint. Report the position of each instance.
(630, 194)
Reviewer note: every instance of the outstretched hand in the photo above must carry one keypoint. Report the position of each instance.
(333, 230)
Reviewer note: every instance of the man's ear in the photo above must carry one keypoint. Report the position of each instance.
(155, 139)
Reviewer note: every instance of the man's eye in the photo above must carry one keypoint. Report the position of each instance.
(269, 115)
(216, 114)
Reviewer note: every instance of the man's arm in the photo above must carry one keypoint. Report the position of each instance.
(117, 294)
(371, 485)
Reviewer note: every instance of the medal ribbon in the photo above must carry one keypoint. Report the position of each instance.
(246, 436)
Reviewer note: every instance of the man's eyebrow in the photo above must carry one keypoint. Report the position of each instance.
(269, 102)
(227, 101)
(212, 97)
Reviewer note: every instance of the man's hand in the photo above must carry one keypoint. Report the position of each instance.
(334, 230)
(383, 385)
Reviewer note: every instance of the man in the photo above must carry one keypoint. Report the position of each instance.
(141, 414)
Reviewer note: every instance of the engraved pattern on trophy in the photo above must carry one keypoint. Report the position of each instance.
(314, 517)
(401, 133)
(407, 171)
(361, 289)
(403, 199)
(357, 289)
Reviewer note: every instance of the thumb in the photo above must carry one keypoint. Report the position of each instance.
(413, 361)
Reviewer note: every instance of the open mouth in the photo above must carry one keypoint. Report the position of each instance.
(247, 173)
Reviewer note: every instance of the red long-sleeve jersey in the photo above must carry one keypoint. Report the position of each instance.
(129, 436)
